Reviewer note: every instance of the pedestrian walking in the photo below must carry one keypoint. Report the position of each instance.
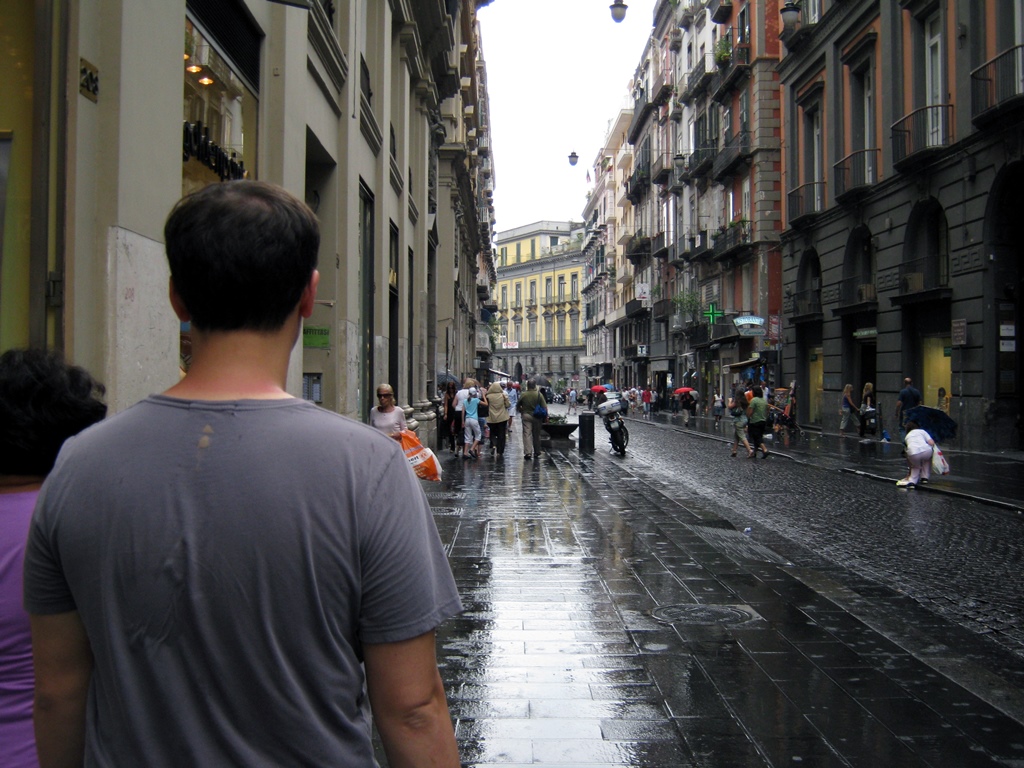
(200, 591)
(909, 397)
(757, 413)
(645, 398)
(718, 407)
(513, 398)
(919, 447)
(452, 417)
(868, 411)
(387, 417)
(43, 402)
(573, 396)
(847, 409)
(497, 418)
(528, 403)
(472, 432)
(689, 406)
(738, 411)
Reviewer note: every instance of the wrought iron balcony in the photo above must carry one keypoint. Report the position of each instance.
(641, 108)
(698, 79)
(661, 168)
(662, 308)
(659, 245)
(806, 202)
(731, 73)
(701, 246)
(662, 89)
(732, 239)
(857, 294)
(635, 307)
(720, 10)
(921, 134)
(806, 305)
(923, 279)
(856, 173)
(998, 85)
(702, 158)
(734, 149)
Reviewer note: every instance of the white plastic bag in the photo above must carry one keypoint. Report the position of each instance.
(939, 464)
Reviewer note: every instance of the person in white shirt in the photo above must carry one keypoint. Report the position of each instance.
(919, 446)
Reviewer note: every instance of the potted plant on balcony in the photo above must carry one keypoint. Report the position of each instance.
(687, 304)
(723, 52)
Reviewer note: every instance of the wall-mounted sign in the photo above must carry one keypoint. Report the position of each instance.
(959, 332)
(510, 345)
(749, 325)
(316, 337)
(865, 333)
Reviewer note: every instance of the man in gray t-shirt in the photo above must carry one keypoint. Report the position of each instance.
(219, 575)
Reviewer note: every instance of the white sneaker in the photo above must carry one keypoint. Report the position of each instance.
(904, 482)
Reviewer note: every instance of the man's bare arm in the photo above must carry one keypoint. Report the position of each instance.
(63, 665)
(409, 706)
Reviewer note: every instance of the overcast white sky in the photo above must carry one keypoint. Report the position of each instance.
(557, 72)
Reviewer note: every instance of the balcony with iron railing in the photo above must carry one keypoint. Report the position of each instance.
(720, 10)
(701, 246)
(923, 279)
(659, 245)
(661, 168)
(699, 77)
(635, 307)
(733, 239)
(857, 294)
(734, 149)
(662, 309)
(641, 108)
(997, 86)
(856, 174)
(731, 72)
(638, 247)
(805, 306)
(921, 134)
(723, 328)
(702, 159)
(805, 203)
(662, 89)
(638, 183)
(556, 341)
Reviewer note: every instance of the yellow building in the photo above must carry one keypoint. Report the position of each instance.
(538, 323)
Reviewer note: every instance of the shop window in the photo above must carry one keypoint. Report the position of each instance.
(220, 116)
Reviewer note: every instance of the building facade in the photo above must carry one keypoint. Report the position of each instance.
(538, 295)
(374, 113)
(903, 170)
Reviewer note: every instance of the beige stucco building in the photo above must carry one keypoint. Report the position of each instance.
(375, 113)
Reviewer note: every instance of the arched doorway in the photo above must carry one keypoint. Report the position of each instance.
(858, 307)
(1002, 313)
(807, 321)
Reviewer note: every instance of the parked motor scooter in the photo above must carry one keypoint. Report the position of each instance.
(610, 412)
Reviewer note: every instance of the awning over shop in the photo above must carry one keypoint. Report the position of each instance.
(753, 362)
(496, 372)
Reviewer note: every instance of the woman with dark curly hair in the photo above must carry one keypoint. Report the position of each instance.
(43, 402)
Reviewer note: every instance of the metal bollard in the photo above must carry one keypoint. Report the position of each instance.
(586, 439)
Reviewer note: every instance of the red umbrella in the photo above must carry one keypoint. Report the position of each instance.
(599, 388)
(684, 390)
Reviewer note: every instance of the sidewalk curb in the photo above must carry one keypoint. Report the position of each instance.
(1008, 505)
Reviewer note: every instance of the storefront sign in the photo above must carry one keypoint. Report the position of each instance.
(196, 143)
(749, 325)
(1007, 345)
(510, 345)
(865, 333)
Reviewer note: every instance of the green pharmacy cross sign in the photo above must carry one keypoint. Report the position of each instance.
(713, 314)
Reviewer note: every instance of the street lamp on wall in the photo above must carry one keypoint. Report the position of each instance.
(618, 9)
(573, 158)
(790, 12)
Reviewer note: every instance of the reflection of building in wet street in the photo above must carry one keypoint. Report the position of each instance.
(728, 612)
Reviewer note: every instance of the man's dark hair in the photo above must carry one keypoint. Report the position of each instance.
(43, 402)
(240, 254)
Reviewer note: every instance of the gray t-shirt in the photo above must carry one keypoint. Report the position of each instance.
(228, 560)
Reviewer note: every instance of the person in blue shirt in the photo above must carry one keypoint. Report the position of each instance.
(471, 445)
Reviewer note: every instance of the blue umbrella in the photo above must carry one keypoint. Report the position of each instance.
(935, 422)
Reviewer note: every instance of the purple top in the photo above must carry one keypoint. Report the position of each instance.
(16, 675)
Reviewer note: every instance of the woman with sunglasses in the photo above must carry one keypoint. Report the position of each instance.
(386, 416)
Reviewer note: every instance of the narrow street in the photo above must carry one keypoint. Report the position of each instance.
(617, 614)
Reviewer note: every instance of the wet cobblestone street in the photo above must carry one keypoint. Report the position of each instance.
(617, 615)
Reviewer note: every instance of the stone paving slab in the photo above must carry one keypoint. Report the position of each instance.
(609, 625)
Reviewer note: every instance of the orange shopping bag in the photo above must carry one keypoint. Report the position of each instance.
(423, 461)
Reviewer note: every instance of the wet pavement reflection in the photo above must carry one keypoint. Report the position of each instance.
(610, 624)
